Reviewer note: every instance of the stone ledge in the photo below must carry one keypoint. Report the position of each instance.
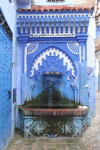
(81, 111)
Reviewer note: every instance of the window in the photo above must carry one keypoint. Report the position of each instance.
(55, 1)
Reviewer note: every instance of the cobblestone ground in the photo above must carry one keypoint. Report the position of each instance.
(90, 139)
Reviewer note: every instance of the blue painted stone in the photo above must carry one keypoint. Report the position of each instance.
(52, 136)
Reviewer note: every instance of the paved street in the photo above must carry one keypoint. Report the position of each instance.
(90, 139)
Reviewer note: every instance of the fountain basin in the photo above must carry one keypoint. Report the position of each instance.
(57, 122)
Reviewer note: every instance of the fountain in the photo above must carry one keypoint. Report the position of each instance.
(51, 113)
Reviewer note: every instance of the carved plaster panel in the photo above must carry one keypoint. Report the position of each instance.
(32, 48)
(58, 127)
(38, 127)
(73, 47)
(52, 52)
(54, 15)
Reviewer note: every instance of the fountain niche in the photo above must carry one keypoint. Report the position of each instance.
(53, 94)
(53, 112)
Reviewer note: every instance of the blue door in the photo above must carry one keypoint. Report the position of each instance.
(5, 88)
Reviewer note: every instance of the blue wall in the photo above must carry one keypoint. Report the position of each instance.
(5, 89)
(9, 12)
(91, 92)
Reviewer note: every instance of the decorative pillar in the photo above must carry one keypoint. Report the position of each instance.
(23, 42)
(83, 71)
(84, 85)
(77, 94)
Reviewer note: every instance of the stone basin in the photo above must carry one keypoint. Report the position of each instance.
(59, 122)
(54, 112)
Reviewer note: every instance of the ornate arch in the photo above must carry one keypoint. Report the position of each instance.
(64, 64)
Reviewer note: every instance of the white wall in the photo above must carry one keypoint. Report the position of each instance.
(9, 12)
(91, 43)
(44, 2)
(91, 64)
(79, 2)
(97, 59)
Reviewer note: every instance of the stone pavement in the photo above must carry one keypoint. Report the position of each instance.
(90, 139)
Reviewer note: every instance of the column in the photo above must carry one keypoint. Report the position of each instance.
(23, 74)
(83, 91)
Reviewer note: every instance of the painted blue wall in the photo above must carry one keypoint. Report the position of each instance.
(96, 83)
(9, 12)
(5, 87)
(91, 92)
